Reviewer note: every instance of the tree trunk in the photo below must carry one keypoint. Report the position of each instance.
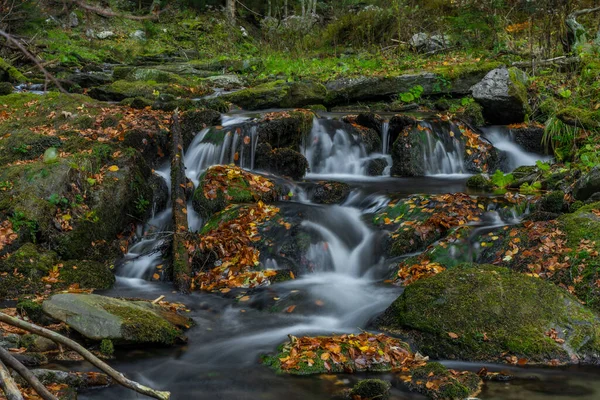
(269, 9)
(575, 31)
(314, 7)
(285, 8)
(303, 8)
(182, 272)
(230, 8)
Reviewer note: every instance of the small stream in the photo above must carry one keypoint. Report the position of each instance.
(342, 295)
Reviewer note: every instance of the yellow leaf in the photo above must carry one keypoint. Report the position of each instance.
(113, 168)
(245, 298)
(325, 356)
(156, 277)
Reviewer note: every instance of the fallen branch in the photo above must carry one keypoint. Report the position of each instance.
(8, 385)
(107, 12)
(95, 361)
(560, 61)
(26, 52)
(30, 378)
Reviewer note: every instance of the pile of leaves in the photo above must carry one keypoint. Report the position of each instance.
(232, 242)
(344, 353)
(437, 382)
(409, 273)
(7, 234)
(432, 215)
(229, 179)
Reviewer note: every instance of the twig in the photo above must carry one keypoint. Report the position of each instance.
(162, 296)
(8, 385)
(23, 50)
(95, 361)
(26, 374)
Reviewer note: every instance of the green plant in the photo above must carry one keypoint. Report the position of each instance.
(502, 180)
(559, 136)
(91, 216)
(413, 94)
(565, 93)
(22, 149)
(107, 348)
(141, 204)
(526, 188)
(6, 185)
(20, 221)
(58, 201)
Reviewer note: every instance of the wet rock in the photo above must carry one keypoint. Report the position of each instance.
(194, 121)
(587, 185)
(482, 312)
(421, 148)
(529, 137)
(79, 380)
(370, 120)
(438, 382)
(99, 317)
(280, 161)
(285, 129)
(278, 94)
(37, 343)
(330, 192)
(554, 202)
(371, 389)
(90, 79)
(123, 89)
(376, 166)
(503, 95)
(424, 42)
(221, 186)
(479, 182)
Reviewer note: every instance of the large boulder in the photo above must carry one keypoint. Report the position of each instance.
(424, 42)
(503, 95)
(281, 161)
(285, 129)
(487, 313)
(122, 321)
(530, 137)
(587, 185)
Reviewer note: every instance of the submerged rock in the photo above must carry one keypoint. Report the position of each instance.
(487, 313)
(99, 317)
(503, 95)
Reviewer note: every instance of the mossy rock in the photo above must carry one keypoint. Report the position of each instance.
(235, 187)
(371, 389)
(330, 192)
(278, 94)
(479, 182)
(194, 121)
(121, 90)
(8, 73)
(6, 88)
(24, 145)
(30, 261)
(99, 318)
(554, 202)
(437, 382)
(86, 274)
(483, 312)
(146, 74)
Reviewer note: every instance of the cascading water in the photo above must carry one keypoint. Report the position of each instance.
(503, 139)
(443, 152)
(385, 137)
(332, 150)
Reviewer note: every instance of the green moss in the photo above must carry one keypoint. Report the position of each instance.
(586, 118)
(88, 274)
(30, 261)
(493, 311)
(32, 309)
(479, 182)
(553, 202)
(465, 69)
(10, 73)
(107, 347)
(143, 326)
(372, 389)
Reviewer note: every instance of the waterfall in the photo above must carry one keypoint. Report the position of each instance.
(385, 137)
(332, 150)
(503, 139)
(443, 152)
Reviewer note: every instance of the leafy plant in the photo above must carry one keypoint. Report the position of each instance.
(502, 180)
(141, 204)
(526, 188)
(557, 135)
(565, 93)
(22, 149)
(413, 94)
(19, 221)
(58, 201)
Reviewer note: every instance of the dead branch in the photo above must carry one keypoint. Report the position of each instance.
(30, 378)
(107, 12)
(23, 50)
(95, 361)
(8, 385)
(559, 61)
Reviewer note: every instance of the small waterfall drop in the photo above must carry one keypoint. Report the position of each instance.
(332, 149)
(443, 152)
(385, 137)
(503, 139)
